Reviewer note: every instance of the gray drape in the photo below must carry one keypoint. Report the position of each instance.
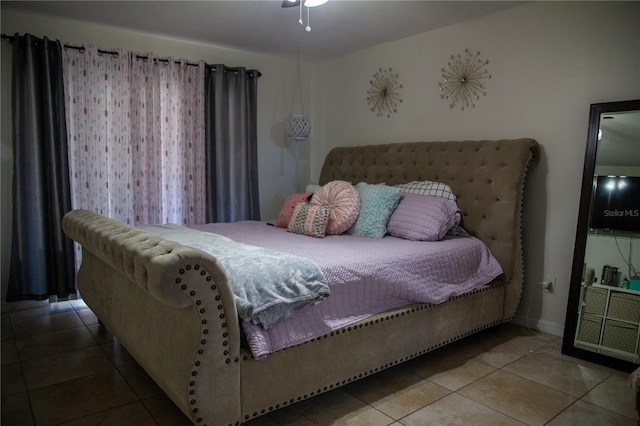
(231, 144)
(41, 256)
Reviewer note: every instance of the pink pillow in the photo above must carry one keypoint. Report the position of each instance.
(344, 201)
(287, 209)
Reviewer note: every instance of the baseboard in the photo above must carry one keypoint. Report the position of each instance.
(540, 325)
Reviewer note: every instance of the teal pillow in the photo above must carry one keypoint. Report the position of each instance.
(377, 202)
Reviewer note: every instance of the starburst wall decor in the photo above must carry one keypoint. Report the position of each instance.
(383, 97)
(463, 80)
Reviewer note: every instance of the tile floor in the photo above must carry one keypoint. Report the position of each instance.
(60, 367)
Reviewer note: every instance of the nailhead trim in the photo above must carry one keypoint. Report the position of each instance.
(407, 311)
(521, 203)
(192, 391)
(403, 359)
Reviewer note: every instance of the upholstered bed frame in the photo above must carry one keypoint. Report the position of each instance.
(171, 307)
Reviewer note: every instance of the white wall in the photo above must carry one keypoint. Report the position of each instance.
(549, 61)
(276, 153)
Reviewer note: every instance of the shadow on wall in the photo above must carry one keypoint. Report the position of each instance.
(534, 229)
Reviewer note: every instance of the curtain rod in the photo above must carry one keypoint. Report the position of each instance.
(141, 57)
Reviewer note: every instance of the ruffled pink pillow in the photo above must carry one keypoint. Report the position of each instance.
(344, 201)
(287, 209)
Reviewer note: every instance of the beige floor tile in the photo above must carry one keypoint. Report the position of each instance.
(335, 408)
(499, 348)
(30, 347)
(12, 380)
(49, 370)
(118, 354)
(449, 369)
(396, 392)
(555, 349)
(78, 304)
(615, 395)
(16, 410)
(519, 398)
(5, 328)
(265, 420)
(456, 410)
(510, 330)
(535, 384)
(134, 414)
(23, 305)
(100, 333)
(39, 309)
(557, 373)
(8, 352)
(79, 398)
(45, 324)
(140, 382)
(87, 316)
(165, 412)
(510, 350)
(582, 413)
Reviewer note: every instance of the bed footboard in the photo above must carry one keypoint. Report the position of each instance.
(170, 306)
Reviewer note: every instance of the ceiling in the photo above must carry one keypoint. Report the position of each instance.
(338, 27)
(620, 139)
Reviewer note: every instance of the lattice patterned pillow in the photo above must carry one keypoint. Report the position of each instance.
(427, 187)
(435, 189)
(309, 219)
(422, 218)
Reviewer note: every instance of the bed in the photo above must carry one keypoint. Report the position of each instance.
(171, 305)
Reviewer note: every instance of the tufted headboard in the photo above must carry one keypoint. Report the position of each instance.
(486, 176)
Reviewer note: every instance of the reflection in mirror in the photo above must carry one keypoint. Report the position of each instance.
(603, 310)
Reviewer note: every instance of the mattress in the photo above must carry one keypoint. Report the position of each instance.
(365, 276)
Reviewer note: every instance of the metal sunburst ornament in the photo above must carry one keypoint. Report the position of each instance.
(383, 97)
(463, 79)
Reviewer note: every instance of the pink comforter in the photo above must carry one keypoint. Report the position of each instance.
(366, 276)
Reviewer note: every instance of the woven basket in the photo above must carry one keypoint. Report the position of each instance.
(297, 127)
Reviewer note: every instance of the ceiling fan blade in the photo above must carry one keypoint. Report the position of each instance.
(287, 3)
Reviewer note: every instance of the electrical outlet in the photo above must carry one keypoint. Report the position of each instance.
(547, 286)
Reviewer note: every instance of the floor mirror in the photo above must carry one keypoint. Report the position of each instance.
(602, 323)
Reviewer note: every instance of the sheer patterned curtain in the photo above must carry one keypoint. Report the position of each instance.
(232, 144)
(167, 109)
(137, 136)
(97, 88)
(41, 255)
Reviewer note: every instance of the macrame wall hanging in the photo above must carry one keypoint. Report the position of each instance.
(296, 125)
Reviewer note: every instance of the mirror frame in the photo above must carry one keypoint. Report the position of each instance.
(571, 320)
